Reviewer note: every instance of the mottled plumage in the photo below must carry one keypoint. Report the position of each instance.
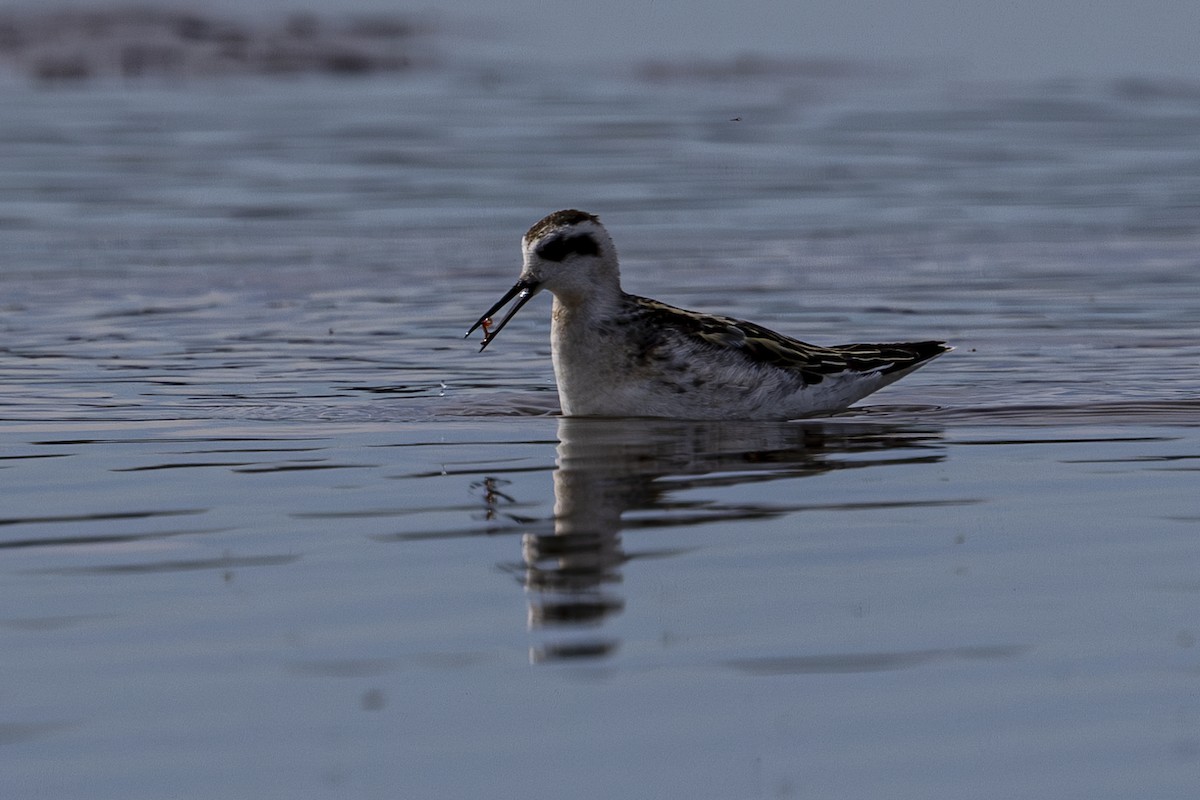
(617, 354)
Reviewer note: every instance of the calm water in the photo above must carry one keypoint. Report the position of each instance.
(271, 528)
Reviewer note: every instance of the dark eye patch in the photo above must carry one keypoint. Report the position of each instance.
(560, 247)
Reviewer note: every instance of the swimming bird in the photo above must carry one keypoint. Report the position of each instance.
(617, 354)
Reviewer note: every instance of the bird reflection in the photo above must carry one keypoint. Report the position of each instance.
(616, 475)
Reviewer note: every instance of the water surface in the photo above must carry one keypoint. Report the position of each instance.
(271, 528)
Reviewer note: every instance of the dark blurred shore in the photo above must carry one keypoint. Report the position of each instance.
(131, 42)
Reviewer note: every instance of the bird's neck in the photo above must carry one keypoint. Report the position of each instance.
(583, 308)
(585, 299)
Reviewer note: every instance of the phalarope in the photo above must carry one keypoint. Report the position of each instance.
(616, 354)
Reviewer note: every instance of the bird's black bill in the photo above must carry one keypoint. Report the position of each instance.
(523, 291)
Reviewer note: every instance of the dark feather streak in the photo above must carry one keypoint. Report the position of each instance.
(761, 346)
(557, 248)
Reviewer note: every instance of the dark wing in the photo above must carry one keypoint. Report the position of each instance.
(891, 357)
(760, 345)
